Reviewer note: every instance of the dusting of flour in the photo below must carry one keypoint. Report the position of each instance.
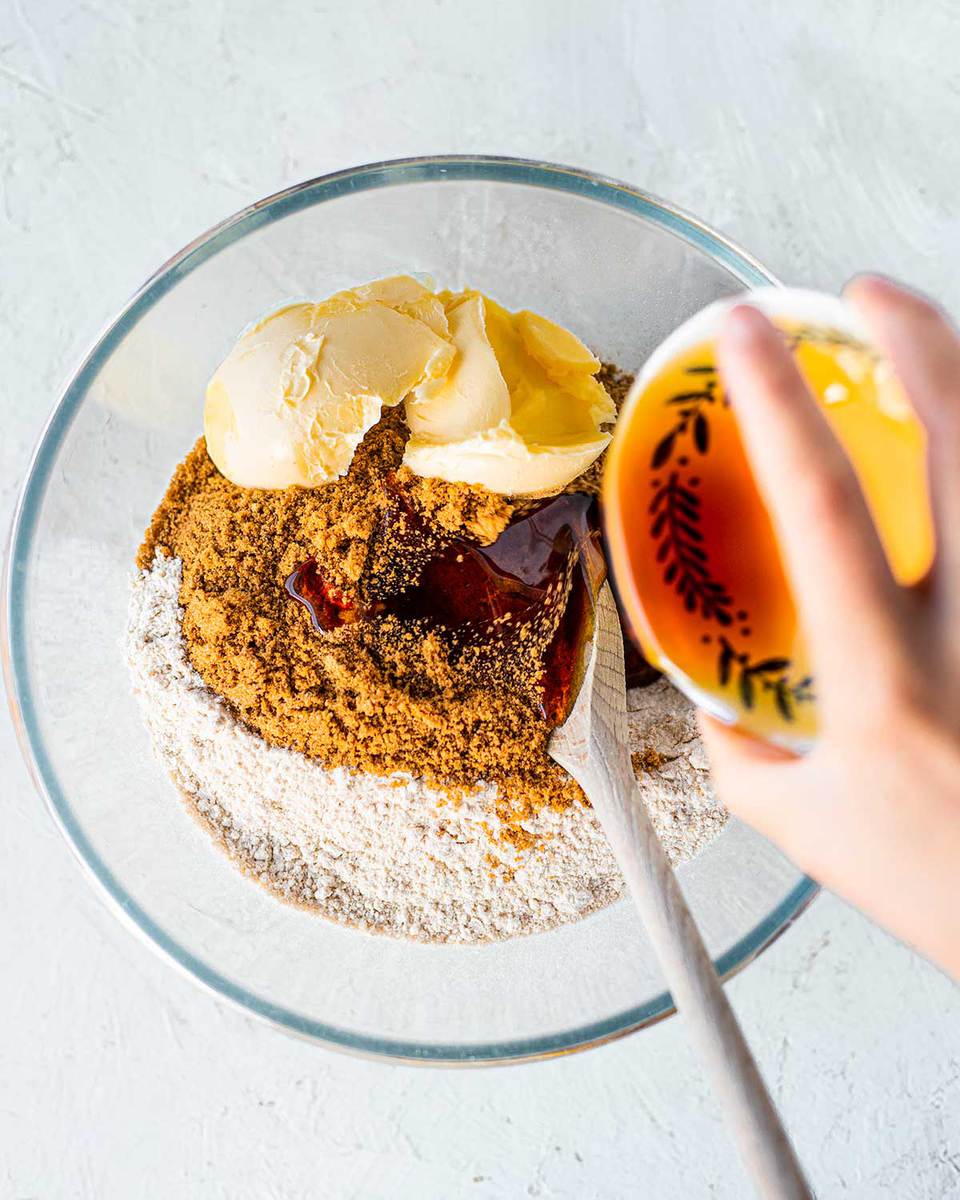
(392, 855)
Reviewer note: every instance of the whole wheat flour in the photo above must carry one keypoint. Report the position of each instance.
(389, 854)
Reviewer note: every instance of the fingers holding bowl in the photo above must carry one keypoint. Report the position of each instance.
(924, 349)
(844, 588)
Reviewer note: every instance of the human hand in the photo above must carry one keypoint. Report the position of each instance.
(873, 811)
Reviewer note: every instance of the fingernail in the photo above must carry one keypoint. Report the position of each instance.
(881, 284)
(744, 324)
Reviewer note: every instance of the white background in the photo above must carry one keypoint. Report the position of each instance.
(823, 137)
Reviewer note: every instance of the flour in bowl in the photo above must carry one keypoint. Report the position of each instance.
(391, 855)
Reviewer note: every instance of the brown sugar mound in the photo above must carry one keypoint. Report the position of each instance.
(378, 694)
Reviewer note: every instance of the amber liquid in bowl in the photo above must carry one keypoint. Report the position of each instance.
(695, 557)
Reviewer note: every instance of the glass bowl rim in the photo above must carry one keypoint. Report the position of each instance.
(436, 168)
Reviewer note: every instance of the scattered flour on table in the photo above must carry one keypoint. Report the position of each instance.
(392, 855)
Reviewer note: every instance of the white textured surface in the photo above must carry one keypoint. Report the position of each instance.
(820, 135)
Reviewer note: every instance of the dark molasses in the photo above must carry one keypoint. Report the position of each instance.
(535, 585)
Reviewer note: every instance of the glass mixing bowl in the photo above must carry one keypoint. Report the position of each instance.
(617, 266)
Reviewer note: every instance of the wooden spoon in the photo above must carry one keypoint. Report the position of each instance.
(592, 745)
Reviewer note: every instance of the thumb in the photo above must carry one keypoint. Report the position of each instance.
(754, 779)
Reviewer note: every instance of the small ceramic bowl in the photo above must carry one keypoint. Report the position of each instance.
(695, 556)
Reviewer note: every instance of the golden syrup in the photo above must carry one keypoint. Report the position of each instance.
(695, 558)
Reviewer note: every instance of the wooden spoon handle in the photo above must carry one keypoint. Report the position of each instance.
(592, 745)
(697, 991)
